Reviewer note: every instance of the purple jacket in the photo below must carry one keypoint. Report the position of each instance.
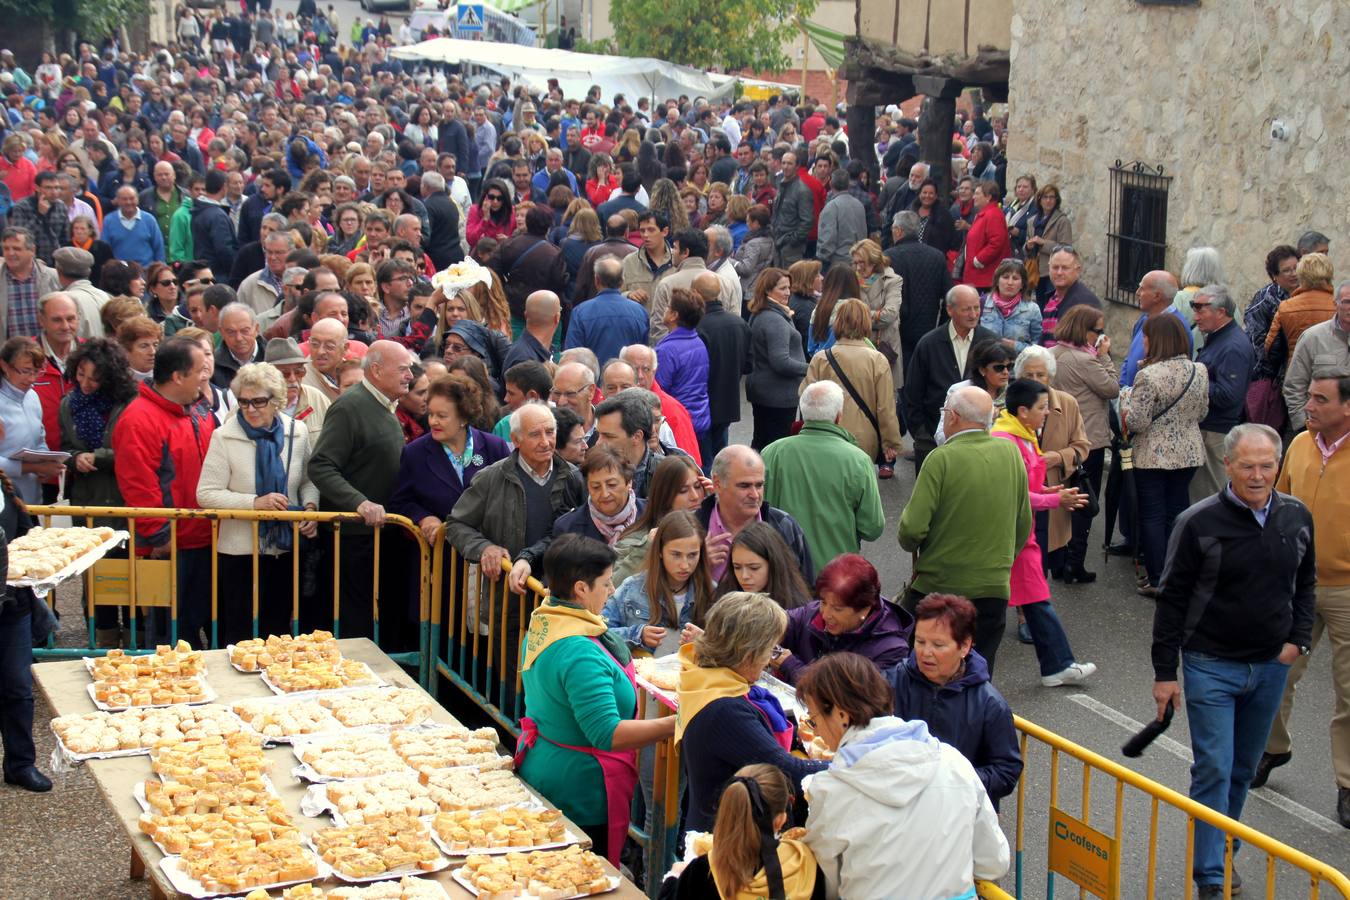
(428, 485)
(883, 638)
(682, 371)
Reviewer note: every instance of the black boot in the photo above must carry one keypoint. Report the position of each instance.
(1075, 552)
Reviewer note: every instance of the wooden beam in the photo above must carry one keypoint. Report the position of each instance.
(989, 64)
(862, 127)
(935, 141)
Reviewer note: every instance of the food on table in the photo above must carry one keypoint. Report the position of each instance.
(290, 717)
(352, 756)
(141, 729)
(512, 826)
(150, 690)
(170, 675)
(256, 654)
(379, 707)
(539, 873)
(43, 552)
(176, 799)
(449, 748)
(383, 795)
(377, 846)
(230, 866)
(320, 675)
(406, 888)
(231, 759)
(475, 789)
(176, 834)
(663, 676)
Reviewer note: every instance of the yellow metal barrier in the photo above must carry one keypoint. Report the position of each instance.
(164, 571)
(1092, 858)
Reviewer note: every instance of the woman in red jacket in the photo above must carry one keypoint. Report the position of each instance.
(491, 217)
(987, 241)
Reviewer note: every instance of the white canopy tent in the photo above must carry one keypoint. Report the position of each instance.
(629, 75)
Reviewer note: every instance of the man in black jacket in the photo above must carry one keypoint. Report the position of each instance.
(926, 281)
(272, 186)
(443, 215)
(1235, 609)
(939, 361)
(213, 236)
(727, 337)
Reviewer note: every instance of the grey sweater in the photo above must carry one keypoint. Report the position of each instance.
(777, 359)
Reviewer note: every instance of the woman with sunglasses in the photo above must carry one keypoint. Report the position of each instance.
(492, 216)
(989, 365)
(162, 289)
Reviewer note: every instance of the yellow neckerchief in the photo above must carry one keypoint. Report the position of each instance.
(799, 874)
(700, 686)
(1010, 424)
(552, 622)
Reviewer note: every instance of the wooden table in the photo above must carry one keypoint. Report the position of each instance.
(63, 686)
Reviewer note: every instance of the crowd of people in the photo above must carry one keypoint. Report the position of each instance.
(217, 292)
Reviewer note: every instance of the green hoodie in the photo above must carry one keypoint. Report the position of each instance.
(180, 233)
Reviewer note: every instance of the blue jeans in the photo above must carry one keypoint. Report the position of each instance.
(1162, 497)
(1047, 634)
(1231, 706)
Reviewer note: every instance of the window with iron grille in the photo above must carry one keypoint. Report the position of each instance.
(1137, 239)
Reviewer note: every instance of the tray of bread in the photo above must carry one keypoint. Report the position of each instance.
(148, 692)
(319, 675)
(175, 834)
(461, 276)
(471, 788)
(538, 875)
(178, 661)
(660, 677)
(176, 798)
(284, 718)
(232, 867)
(449, 747)
(379, 848)
(228, 759)
(256, 654)
(509, 829)
(347, 755)
(352, 802)
(406, 888)
(169, 676)
(100, 735)
(378, 706)
(45, 557)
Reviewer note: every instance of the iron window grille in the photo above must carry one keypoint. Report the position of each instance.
(1137, 223)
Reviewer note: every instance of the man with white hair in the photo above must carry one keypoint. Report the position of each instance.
(969, 515)
(443, 216)
(719, 262)
(354, 466)
(574, 389)
(327, 347)
(1228, 357)
(553, 163)
(836, 513)
(643, 360)
(241, 343)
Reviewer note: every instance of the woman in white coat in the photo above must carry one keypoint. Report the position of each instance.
(891, 784)
(257, 460)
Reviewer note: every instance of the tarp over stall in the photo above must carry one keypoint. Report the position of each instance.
(632, 76)
(497, 25)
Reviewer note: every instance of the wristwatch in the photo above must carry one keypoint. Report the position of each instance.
(1304, 649)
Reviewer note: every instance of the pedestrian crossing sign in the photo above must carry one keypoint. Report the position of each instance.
(469, 17)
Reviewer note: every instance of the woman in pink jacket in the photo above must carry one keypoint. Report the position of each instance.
(1027, 406)
(987, 242)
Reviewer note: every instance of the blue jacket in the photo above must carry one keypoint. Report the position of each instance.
(1023, 327)
(541, 179)
(428, 485)
(682, 372)
(970, 714)
(293, 166)
(629, 610)
(1130, 367)
(578, 521)
(1229, 357)
(606, 324)
(142, 244)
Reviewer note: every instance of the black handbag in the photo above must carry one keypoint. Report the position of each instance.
(1078, 478)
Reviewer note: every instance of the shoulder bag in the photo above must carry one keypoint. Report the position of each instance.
(863, 407)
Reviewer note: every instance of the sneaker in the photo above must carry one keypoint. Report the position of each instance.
(1074, 673)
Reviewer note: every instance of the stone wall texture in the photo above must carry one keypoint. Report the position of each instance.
(1193, 89)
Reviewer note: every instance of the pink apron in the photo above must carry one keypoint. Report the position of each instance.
(619, 768)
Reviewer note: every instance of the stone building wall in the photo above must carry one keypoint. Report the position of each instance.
(1093, 81)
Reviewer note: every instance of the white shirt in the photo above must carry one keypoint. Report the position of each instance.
(960, 346)
(731, 126)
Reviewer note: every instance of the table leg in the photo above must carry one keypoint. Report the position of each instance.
(137, 865)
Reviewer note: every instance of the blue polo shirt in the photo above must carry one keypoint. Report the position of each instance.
(1130, 368)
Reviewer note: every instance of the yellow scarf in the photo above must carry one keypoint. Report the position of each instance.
(700, 686)
(1010, 424)
(552, 622)
(799, 874)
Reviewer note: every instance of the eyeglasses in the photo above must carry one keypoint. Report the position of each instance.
(493, 198)
(170, 282)
(254, 402)
(1064, 248)
(202, 281)
(1000, 367)
(556, 395)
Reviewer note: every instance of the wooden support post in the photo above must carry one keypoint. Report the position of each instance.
(935, 141)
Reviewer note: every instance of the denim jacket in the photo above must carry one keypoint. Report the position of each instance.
(1023, 326)
(629, 610)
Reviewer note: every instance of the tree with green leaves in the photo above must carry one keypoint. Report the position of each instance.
(92, 20)
(709, 34)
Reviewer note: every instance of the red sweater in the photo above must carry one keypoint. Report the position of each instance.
(988, 242)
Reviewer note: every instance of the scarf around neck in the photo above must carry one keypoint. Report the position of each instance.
(90, 413)
(557, 619)
(1010, 424)
(1006, 306)
(613, 526)
(269, 476)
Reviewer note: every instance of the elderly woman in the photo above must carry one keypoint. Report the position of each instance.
(1009, 309)
(257, 460)
(21, 364)
(946, 684)
(611, 506)
(1202, 266)
(1017, 209)
(1046, 230)
(1162, 414)
(946, 823)
(139, 339)
(1065, 447)
(436, 468)
(850, 614)
(677, 483)
(726, 721)
(579, 734)
(776, 356)
(865, 375)
(987, 241)
(881, 291)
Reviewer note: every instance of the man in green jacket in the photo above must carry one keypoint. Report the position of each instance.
(837, 513)
(181, 247)
(969, 515)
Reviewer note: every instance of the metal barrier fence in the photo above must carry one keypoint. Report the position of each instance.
(152, 583)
